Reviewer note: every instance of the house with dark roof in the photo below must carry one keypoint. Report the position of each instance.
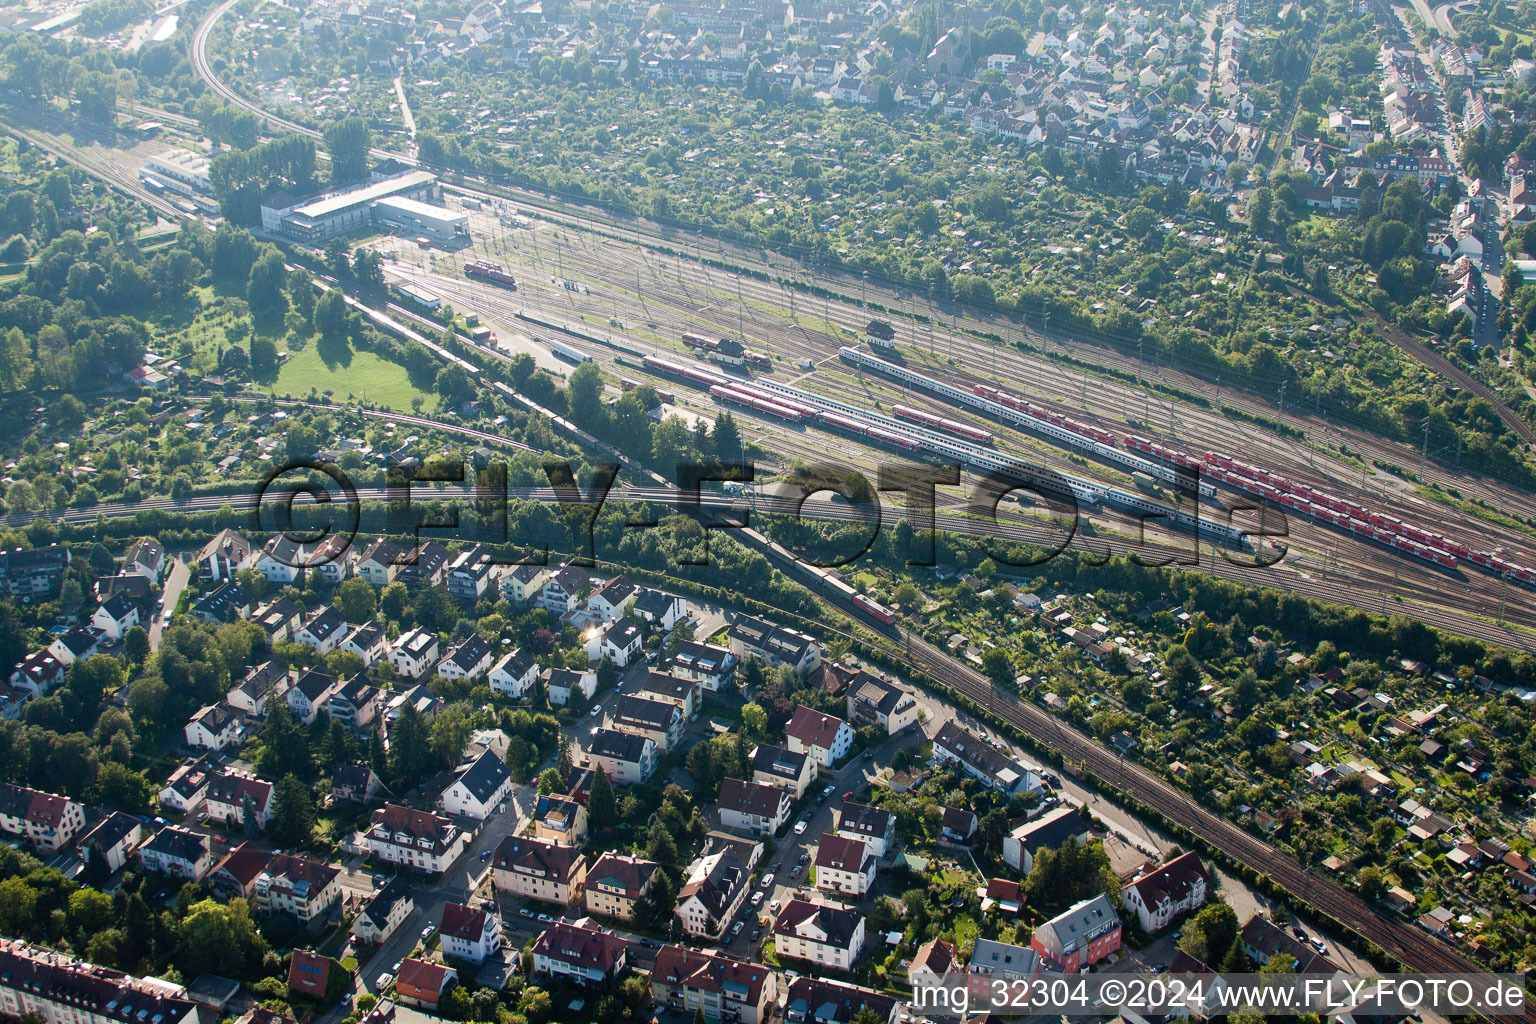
(824, 934)
(323, 630)
(471, 574)
(752, 637)
(482, 786)
(226, 602)
(113, 839)
(425, 565)
(712, 893)
(752, 807)
(469, 659)
(711, 666)
(279, 619)
(33, 573)
(560, 819)
(514, 675)
(187, 788)
(215, 727)
(354, 783)
(872, 701)
(787, 769)
(615, 882)
(304, 889)
(954, 745)
(810, 1000)
(1080, 936)
(368, 642)
(932, 961)
(620, 642)
(1166, 893)
(234, 798)
(1263, 940)
(628, 758)
(658, 721)
(251, 695)
(873, 826)
(310, 693)
(958, 825)
(414, 652)
(611, 600)
(356, 704)
(659, 609)
(562, 591)
(539, 869)
(384, 912)
(561, 683)
(584, 954)
(381, 561)
(115, 616)
(280, 560)
(1047, 832)
(145, 558)
(469, 933)
(671, 690)
(175, 851)
(75, 645)
(688, 981)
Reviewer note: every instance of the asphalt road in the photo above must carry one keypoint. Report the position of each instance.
(175, 582)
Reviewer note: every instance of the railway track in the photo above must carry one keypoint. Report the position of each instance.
(1417, 950)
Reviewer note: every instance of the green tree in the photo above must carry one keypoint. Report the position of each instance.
(356, 599)
(754, 720)
(293, 819)
(410, 748)
(331, 316)
(347, 141)
(602, 810)
(265, 288)
(998, 667)
(551, 782)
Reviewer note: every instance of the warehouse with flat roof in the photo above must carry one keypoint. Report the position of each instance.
(315, 220)
(422, 220)
(182, 167)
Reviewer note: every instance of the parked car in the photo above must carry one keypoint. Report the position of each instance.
(767, 881)
(757, 899)
(525, 912)
(801, 826)
(827, 792)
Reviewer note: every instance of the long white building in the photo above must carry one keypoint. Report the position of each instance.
(322, 217)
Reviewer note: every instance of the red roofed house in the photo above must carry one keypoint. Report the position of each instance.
(824, 738)
(725, 989)
(469, 933)
(1162, 895)
(309, 973)
(933, 959)
(49, 822)
(585, 954)
(232, 796)
(844, 865)
(421, 983)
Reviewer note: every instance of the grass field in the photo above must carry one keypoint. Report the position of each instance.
(364, 377)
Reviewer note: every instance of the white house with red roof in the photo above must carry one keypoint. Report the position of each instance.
(1163, 894)
(825, 738)
(46, 820)
(470, 933)
(581, 952)
(844, 865)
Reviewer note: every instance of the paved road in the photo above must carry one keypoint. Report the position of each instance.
(175, 582)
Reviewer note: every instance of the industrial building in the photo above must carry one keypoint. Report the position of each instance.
(422, 220)
(317, 219)
(181, 168)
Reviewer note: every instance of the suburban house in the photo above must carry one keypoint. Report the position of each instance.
(825, 934)
(615, 882)
(753, 807)
(355, 704)
(280, 560)
(471, 574)
(560, 819)
(116, 616)
(238, 872)
(585, 954)
(658, 609)
(354, 783)
(688, 981)
(75, 645)
(235, 799)
(115, 837)
(627, 758)
(825, 738)
(226, 602)
(611, 600)
(323, 630)
(302, 888)
(260, 684)
(1079, 936)
(481, 787)
(420, 840)
(308, 696)
(711, 666)
(381, 562)
(779, 766)
(368, 642)
(990, 957)
(561, 593)
(470, 659)
(413, 653)
(523, 583)
(671, 690)
(469, 933)
(713, 892)
(280, 619)
(175, 851)
(657, 721)
(872, 701)
(145, 558)
(514, 675)
(215, 727)
(932, 961)
(811, 1000)
(384, 912)
(1047, 832)
(562, 682)
(874, 826)
(425, 565)
(844, 865)
(777, 645)
(1163, 894)
(539, 869)
(187, 788)
(979, 759)
(423, 983)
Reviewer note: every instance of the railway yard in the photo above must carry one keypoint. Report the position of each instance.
(623, 301)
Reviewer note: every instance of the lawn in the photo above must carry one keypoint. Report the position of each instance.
(362, 376)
